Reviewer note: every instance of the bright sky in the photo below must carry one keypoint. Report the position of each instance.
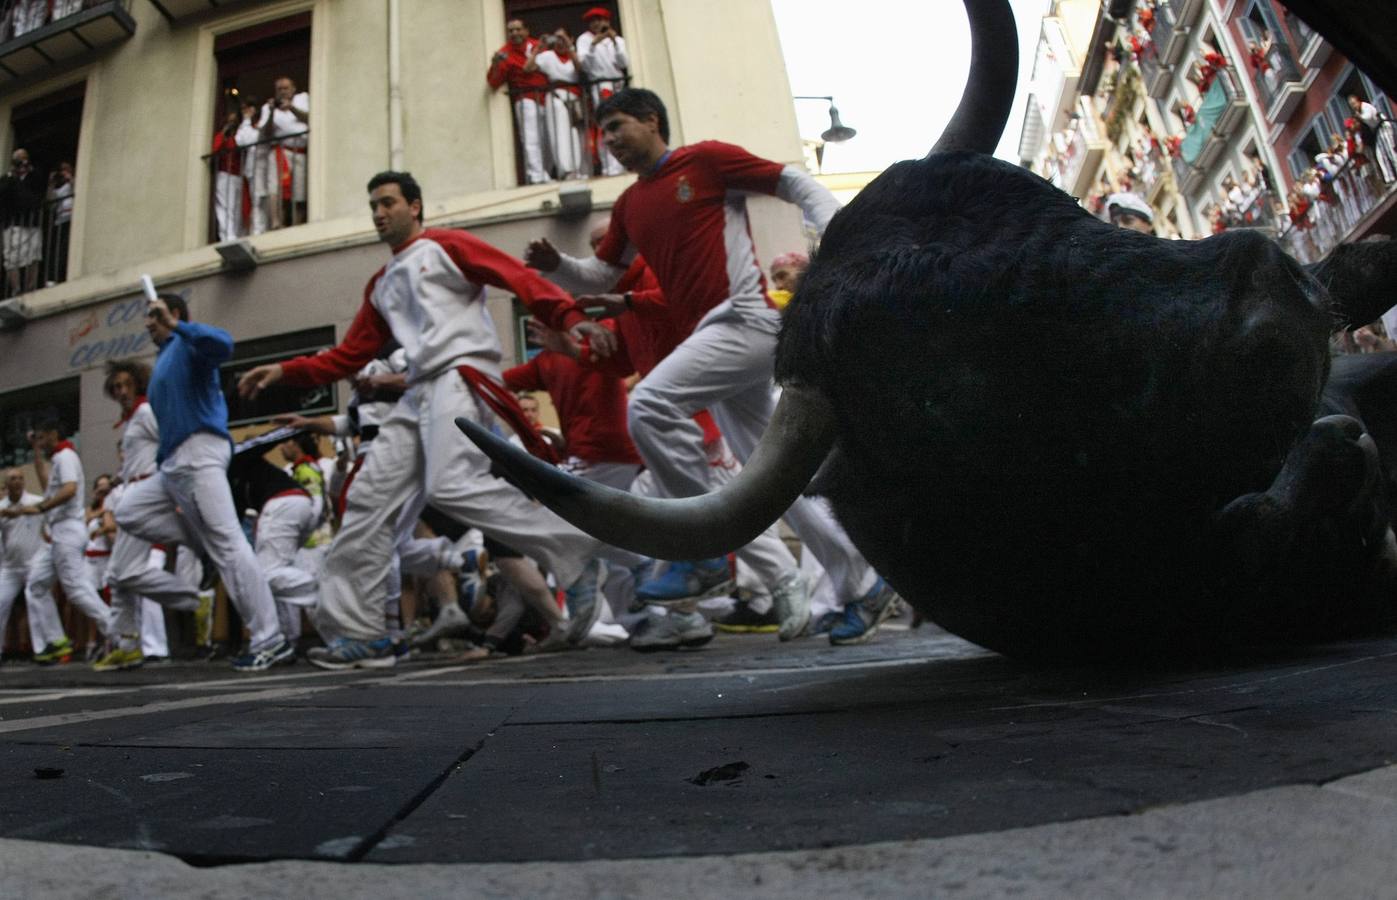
(896, 69)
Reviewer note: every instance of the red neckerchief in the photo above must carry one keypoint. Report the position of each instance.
(127, 416)
(306, 461)
(506, 406)
(63, 445)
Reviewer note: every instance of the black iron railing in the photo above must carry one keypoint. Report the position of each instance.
(19, 17)
(34, 235)
(256, 185)
(1318, 223)
(555, 131)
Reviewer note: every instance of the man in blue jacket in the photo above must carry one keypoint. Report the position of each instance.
(188, 500)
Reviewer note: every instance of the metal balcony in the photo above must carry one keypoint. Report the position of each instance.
(44, 38)
(177, 10)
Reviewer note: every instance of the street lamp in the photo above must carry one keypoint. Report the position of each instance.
(837, 132)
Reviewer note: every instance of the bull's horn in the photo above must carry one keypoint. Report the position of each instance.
(796, 442)
(989, 89)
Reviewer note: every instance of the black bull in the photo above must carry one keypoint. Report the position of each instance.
(1057, 438)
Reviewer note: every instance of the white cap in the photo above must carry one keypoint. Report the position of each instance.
(1131, 203)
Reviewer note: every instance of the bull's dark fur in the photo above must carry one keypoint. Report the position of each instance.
(1043, 417)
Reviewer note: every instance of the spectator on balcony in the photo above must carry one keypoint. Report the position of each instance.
(228, 178)
(527, 93)
(63, 8)
(601, 53)
(60, 203)
(1128, 210)
(252, 162)
(21, 206)
(1376, 130)
(563, 117)
(284, 123)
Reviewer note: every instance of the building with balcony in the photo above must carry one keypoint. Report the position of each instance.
(133, 93)
(1300, 86)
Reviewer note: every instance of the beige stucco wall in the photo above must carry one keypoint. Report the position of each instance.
(148, 112)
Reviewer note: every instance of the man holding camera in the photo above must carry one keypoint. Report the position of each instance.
(281, 184)
(601, 53)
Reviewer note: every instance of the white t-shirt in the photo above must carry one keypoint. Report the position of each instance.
(602, 59)
(284, 121)
(22, 536)
(557, 68)
(140, 444)
(65, 468)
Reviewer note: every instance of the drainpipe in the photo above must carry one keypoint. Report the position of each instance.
(395, 89)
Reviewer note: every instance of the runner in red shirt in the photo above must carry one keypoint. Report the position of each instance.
(687, 216)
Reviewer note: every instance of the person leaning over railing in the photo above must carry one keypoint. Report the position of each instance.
(527, 90)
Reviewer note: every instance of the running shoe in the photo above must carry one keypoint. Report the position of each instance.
(55, 653)
(450, 621)
(671, 632)
(826, 622)
(584, 601)
(790, 600)
(743, 620)
(283, 653)
(347, 653)
(470, 577)
(689, 581)
(119, 659)
(863, 616)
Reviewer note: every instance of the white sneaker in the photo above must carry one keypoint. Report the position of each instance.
(671, 632)
(791, 600)
(451, 621)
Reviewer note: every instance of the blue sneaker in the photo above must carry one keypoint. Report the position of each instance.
(282, 654)
(640, 574)
(863, 616)
(825, 624)
(347, 653)
(584, 601)
(689, 582)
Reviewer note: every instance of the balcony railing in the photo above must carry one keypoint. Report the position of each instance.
(555, 131)
(1279, 72)
(257, 186)
(33, 239)
(37, 35)
(1357, 190)
(1153, 67)
(1217, 115)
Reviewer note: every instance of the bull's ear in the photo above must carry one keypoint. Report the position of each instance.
(1361, 280)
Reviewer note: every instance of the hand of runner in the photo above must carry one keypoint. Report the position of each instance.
(603, 340)
(542, 255)
(255, 380)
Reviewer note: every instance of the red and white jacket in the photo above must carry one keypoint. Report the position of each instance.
(688, 218)
(430, 298)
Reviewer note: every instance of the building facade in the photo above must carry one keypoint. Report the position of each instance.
(1214, 111)
(133, 93)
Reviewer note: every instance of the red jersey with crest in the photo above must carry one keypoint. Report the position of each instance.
(688, 219)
